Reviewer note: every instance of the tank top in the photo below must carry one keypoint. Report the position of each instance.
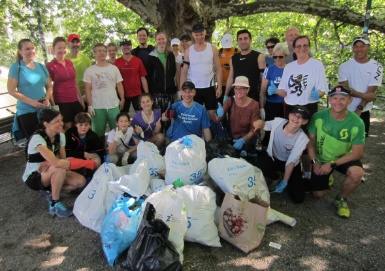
(201, 66)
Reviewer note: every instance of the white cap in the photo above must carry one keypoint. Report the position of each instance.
(227, 41)
(175, 41)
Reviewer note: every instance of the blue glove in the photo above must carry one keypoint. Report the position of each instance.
(220, 111)
(314, 95)
(224, 98)
(186, 141)
(272, 89)
(238, 144)
(280, 187)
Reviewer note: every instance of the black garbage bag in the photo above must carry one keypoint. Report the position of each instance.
(219, 147)
(151, 249)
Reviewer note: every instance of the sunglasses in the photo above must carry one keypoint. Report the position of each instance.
(280, 57)
(305, 46)
(270, 47)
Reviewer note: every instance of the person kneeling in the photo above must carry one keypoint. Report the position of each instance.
(286, 144)
(44, 170)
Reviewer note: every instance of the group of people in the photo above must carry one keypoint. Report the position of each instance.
(194, 92)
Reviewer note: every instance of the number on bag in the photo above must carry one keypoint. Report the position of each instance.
(251, 181)
(196, 176)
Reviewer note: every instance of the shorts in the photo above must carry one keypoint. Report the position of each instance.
(69, 110)
(34, 181)
(206, 97)
(365, 116)
(131, 100)
(321, 182)
(28, 123)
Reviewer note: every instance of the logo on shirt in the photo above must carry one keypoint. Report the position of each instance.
(297, 84)
(344, 134)
(242, 58)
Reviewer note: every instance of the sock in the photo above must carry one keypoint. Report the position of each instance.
(53, 202)
(307, 175)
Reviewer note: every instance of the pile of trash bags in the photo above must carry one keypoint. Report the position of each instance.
(148, 209)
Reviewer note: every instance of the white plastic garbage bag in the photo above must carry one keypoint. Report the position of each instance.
(186, 159)
(200, 207)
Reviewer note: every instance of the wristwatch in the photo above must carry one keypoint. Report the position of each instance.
(333, 165)
(360, 107)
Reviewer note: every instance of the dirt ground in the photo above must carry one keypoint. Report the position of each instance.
(32, 240)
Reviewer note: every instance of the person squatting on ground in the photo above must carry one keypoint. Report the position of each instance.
(83, 143)
(189, 117)
(242, 111)
(121, 144)
(47, 169)
(286, 144)
(29, 82)
(337, 139)
(101, 81)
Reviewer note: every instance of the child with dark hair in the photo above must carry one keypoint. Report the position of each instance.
(121, 145)
(82, 142)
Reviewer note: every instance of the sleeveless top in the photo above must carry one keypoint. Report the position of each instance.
(201, 67)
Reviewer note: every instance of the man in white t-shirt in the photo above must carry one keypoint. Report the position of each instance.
(363, 75)
(101, 81)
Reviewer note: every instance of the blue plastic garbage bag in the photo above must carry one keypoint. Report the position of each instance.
(120, 227)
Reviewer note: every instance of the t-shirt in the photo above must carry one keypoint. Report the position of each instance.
(64, 81)
(283, 144)
(148, 128)
(273, 73)
(225, 55)
(81, 63)
(103, 83)
(188, 120)
(35, 141)
(335, 138)
(269, 60)
(31, 83)
(131, 72)
(120, 147)
(298, 81)
(360, 77)
(201, 66)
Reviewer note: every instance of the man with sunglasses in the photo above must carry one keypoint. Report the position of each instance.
(363, 75)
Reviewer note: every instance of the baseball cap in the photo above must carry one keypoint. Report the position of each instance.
(241, 81)
(198, 27)
(301, 110)
(188, 85)
(339, 90)
(227, 41)
(125, 41)
(362, 39)
(185, 37)
(175, 41)
(72, 37)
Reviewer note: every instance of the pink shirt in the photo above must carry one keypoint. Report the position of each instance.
(64, 81)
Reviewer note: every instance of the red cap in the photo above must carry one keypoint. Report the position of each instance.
(71, 37)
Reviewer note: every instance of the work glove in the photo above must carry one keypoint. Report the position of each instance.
(224, 98)
(314, 95)
(272, 89)
(118, 134)
(220, 111)
(262, 113)
(238, 143)
(179, 95)
(280, 187)
(76, 163)
(91, 110)
(125, 158)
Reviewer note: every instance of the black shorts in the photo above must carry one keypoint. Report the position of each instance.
(321, 182)
(69, 110)
(131, 100)
(28, 123)
(206, 97)
(34, 181)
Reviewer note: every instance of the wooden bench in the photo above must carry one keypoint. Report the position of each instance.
(6, 129)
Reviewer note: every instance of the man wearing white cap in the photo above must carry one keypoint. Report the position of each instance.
(225, 54)
(81, 62)
(363, 75)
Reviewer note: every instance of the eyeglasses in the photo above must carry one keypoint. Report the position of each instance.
(305, 46)
(240, 88)
(280, 57)
(100, 51)
(270, 47)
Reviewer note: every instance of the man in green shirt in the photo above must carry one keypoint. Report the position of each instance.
(81, 62)
(337, 139)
